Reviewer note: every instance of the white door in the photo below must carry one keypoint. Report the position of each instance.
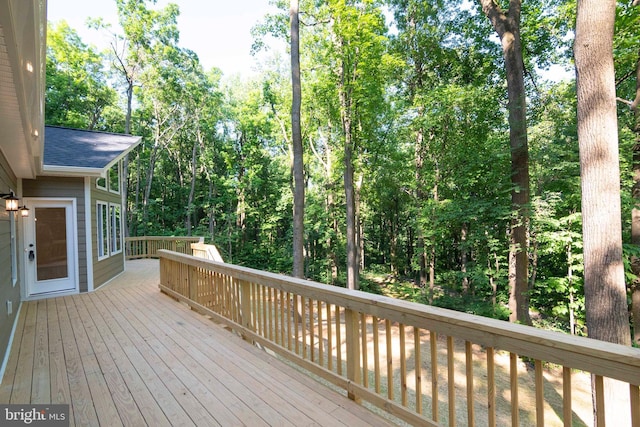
(51, 254)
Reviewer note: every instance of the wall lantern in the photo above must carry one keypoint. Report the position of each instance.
(11, 204)
(11, 201)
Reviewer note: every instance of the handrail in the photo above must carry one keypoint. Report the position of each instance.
(362, 341)
(211, 252)
(148, 246)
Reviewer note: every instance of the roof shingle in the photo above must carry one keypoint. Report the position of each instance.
(77, 148)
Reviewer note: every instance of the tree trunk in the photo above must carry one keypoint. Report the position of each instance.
(347, 131)
(359, 225)
(464, 257)
(148, 183)
(507, 25)
(572, 317)
(635, 212)
(124, 191)
(420, 200)
(212, 212)
(432, 254)
(134, 222)
(635, 234)
(194, 175)
(604, 286)
(296, 139)
(352, 250)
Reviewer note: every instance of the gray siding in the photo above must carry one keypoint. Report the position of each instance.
(106, 269)
(8, 292)
(67, 188)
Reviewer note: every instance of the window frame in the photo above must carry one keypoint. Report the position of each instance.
(110, 174)
(101, 187)
(115, 233)
(103, 235)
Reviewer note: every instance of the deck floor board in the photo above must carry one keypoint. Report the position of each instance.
(129, 355)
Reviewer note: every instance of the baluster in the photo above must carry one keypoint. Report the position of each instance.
(491, 387)
(513, 376)
(451, 381)
(539, 393)
(433, 342)
(417, 368)
(387, 326)
(403, 366)
(365, 350)
(468, 350)
(329, 339)
(376, 353)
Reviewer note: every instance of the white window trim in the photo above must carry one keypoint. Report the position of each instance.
(112, 236)
(117, 168)
(100, 235)
(100, 187)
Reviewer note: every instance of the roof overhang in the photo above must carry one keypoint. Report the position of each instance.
(75, 171)
(23, 25)
(71, 171)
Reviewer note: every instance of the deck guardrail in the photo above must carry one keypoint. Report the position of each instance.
(148, 246)
(472, 370)
(211, 252)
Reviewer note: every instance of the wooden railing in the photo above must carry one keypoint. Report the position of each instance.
(148, 246)
(210, 252)
(472, 370)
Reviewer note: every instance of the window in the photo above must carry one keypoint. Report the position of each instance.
(14, 249)
(101, 183)
(116, 229)
(109, 229)
(111, 182)
(102, 213)
(114, 178)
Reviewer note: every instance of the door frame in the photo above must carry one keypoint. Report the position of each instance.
(72, 226)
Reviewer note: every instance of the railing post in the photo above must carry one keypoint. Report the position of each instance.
(163, 272)
(352, 325)
(193, 283)
(245, 306)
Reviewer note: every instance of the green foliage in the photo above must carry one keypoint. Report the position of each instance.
(77, 93)
(422, 83)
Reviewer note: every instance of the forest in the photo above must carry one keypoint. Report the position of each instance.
(428, 172)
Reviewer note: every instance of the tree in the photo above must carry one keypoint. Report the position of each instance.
(627, 63)
(77, 92)
(507, 25)
(358, 43)
(296, 140)
(605, 292)
(145, 31)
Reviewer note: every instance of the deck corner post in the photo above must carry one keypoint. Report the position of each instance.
(163, 272)
(352, 325)
(245, 306)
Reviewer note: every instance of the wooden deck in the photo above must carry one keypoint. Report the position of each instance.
(128, 355)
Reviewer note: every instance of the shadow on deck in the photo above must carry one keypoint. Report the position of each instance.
(127, 354)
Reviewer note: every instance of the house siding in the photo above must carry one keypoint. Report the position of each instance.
(65, 187)
(8, 291)
(107, 268)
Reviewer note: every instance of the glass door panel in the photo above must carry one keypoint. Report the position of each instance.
(51, 243)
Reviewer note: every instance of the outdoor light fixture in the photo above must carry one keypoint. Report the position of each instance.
(24, 211)
(11, 201)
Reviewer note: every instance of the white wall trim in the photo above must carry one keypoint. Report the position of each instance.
(89, 237)
(7, 353)
(25, 288)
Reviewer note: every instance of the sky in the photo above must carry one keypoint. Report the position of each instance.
(217, 30)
